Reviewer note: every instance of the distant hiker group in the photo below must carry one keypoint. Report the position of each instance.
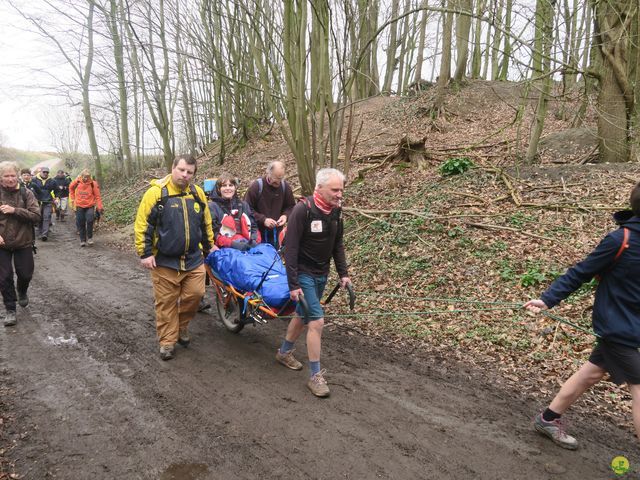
(27, 206)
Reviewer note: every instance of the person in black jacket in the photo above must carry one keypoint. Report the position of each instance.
(616, 320)
(61, 193)
(46, 187)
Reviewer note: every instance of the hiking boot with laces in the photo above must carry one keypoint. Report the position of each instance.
(166, 352)
(183, 337)
(318, 385)
(10, 319)
(555, 431)
(288, 360)
(23, 299)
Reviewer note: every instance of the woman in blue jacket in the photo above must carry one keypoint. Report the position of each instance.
(616, 320)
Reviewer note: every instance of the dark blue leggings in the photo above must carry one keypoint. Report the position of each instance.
(84, 222)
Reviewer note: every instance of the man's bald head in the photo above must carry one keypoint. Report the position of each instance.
(275, 173)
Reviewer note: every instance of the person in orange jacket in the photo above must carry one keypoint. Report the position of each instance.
(84, 193)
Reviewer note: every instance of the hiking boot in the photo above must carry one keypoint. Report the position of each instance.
(288, 360)
(43, 238)
(166, 352)
(83, 244)
(318, 385)
(10, 319)
(90, 241)
(23, 299)
(555, 431)
(183, 337)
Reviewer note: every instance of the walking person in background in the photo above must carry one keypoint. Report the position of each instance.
(61, 194)
(84, 193)
(172, 233)
(26, 179)
(615, 317)
(271, 200)
(46, 188)
(314, 237)
(19, 212)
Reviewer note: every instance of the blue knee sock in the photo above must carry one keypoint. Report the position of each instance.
(287, 346)
(315, 367)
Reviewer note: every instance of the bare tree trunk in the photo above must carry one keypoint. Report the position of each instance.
(423, 31)
(616, 99)
(546, 19)
(463, 28)
(392, 47)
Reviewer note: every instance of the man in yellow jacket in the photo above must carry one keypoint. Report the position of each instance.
(172, 230)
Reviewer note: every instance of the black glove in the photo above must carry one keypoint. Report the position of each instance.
(241, 245)
(252, 243)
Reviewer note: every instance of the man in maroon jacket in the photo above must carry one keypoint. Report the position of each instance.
(271, 200)
(314, 237)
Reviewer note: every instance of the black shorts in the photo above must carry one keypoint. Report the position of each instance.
(620, 361)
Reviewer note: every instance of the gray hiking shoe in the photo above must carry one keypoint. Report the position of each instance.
(183, 337)
(166, 352)
(555, 431)
(318, 385)
(90, 241)
(288, 360)
(23, 299)
(10, 319)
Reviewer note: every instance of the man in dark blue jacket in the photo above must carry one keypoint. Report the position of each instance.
(616, 320)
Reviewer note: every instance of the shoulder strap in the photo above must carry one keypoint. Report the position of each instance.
(625, 244)
(196, 196)
(283, 186)
(23, 193)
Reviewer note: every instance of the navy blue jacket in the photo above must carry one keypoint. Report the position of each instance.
(616, 310)
(45, 189)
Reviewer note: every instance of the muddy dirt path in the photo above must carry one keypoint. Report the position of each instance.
(92, 399)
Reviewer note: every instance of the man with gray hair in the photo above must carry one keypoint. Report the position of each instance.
(19, 212)
(271, 200)
(314, 237)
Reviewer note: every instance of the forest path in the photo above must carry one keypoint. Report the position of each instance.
(92, 399)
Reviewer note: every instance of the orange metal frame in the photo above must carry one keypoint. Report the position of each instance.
(254, 302)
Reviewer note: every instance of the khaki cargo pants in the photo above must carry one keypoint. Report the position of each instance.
(177, 296)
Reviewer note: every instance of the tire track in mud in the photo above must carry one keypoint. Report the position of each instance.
(108, 407)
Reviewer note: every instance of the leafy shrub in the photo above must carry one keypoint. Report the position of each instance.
(455, 166)
(533, 276)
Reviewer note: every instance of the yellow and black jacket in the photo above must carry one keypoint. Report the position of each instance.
(173, 225)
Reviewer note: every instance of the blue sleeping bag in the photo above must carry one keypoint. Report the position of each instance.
(244, 270)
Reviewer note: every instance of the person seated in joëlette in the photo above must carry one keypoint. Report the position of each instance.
(233, 222)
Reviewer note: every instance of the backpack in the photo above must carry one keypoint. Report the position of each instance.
(623, 246)
(313, 211)
(261, 186)
(164, 196)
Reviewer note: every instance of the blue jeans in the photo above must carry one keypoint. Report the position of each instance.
(312, 288)
(84, 222)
